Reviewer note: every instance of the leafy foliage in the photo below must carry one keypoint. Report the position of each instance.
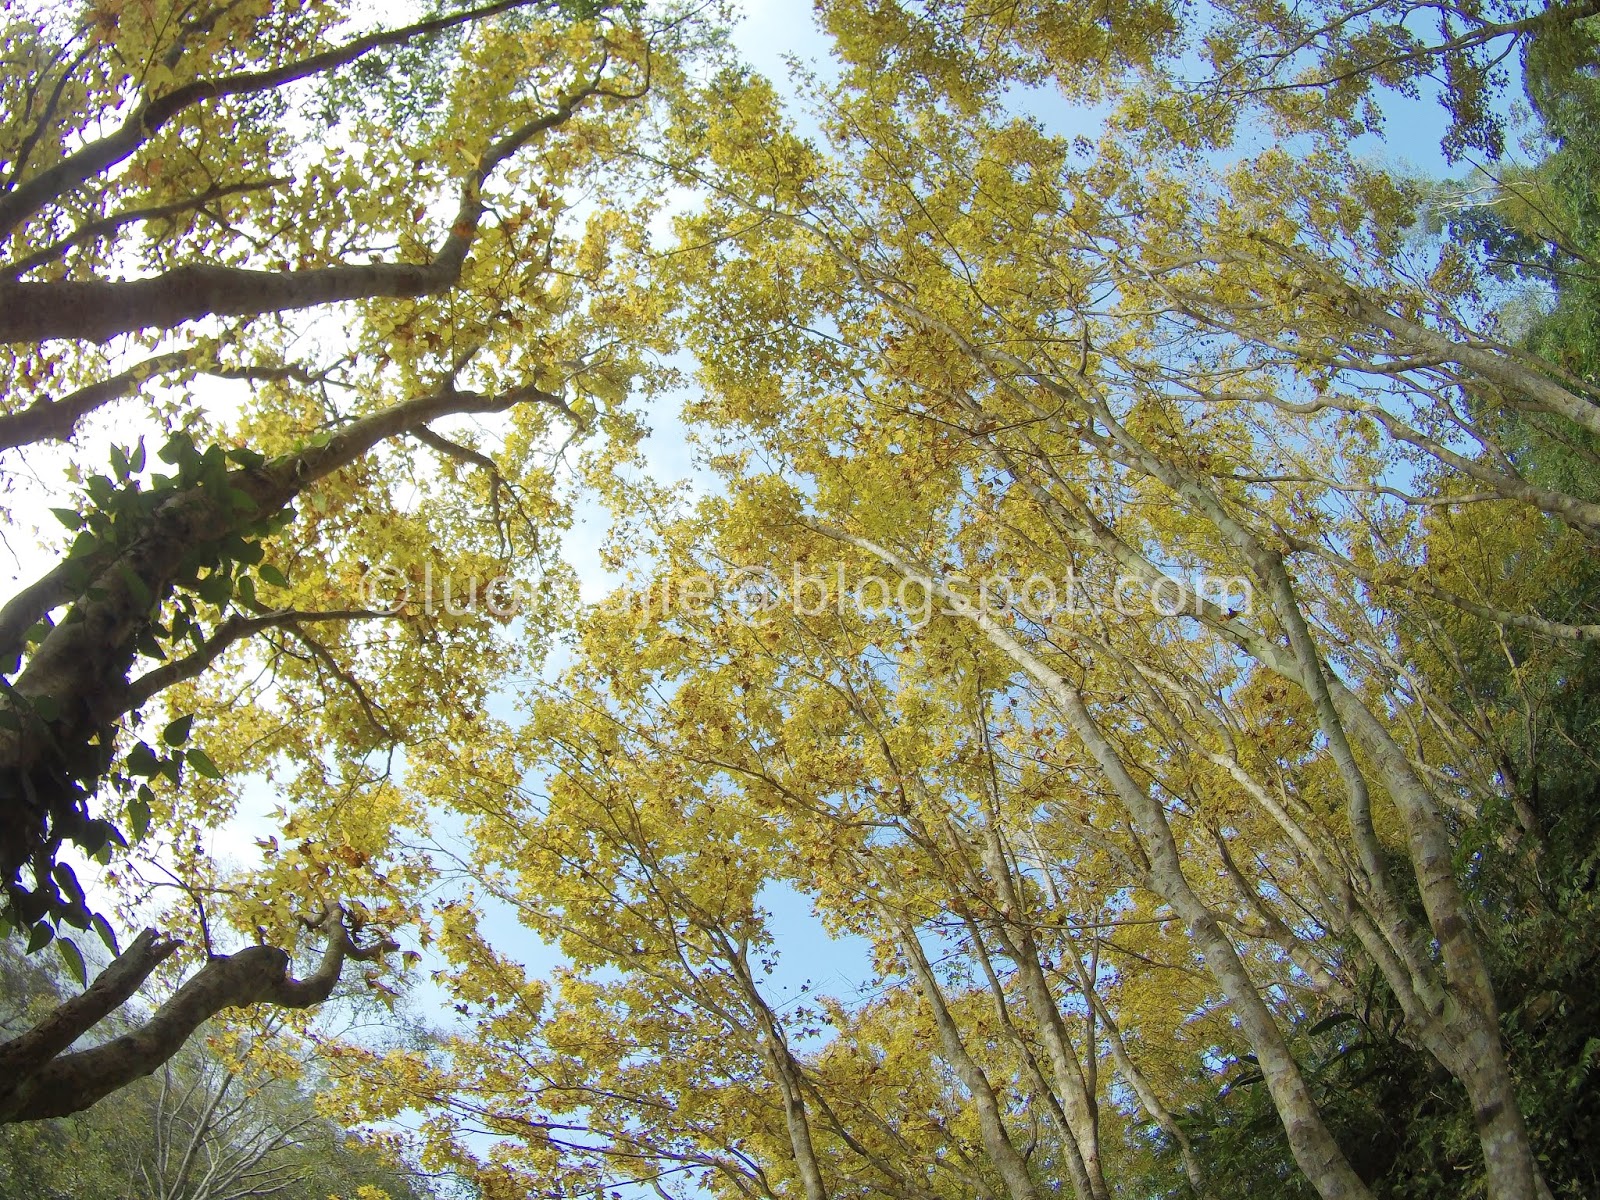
(1145, 596)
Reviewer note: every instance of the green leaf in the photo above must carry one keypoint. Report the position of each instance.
(147, 645)
(73, 957)
(67, 881)
(1332, 1022)
(138, 818)
(215, 589)
(201, 762)
(179, 447)
(101, 925)
(70, 517)
(142, 760)
(97, 835)
(136, 586)
(177, 733)
(243, 549)
(271, 574)
(40, 938)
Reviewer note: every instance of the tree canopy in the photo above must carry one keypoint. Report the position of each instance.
(1140, 586)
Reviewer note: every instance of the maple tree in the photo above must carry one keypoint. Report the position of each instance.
(1144, 579)
(1169, 372)
(181, 181)
(946, 349)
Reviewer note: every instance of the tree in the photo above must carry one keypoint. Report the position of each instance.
(1197, 75)
(1125, 368)
(1101, 615)
(214, 1123)
(245, 163)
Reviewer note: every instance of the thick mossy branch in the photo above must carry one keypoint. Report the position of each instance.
(41, 1081)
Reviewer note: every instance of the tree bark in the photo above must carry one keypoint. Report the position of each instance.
(1008, 1161)
(40, 1082)
(98, 310)
(1079, 1106)
(80, 668)
(1313, 1145)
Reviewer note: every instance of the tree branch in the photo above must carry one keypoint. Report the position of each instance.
(146, 120)
(70, 1083)
(91, 230)
(111, 989)
(55, 420)
(81, 665)
(235, 629)
(97, 310)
